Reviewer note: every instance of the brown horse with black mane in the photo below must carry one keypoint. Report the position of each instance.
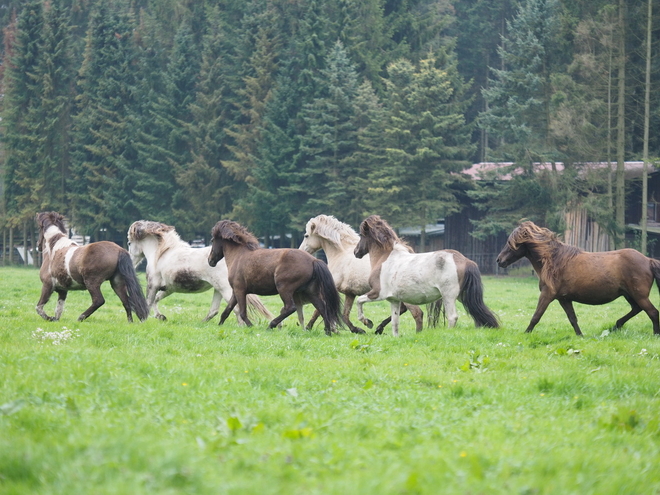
(295, 275)
(569, 274)
(68, 266)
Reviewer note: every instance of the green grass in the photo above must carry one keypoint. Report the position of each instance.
(188, 407)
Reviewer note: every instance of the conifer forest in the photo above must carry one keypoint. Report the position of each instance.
(270, 112)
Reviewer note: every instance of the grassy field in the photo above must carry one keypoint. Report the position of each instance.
(181, 406)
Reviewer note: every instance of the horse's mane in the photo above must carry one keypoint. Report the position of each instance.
(331, 229)
(379, 231)
(232, 231)
(46, 219)
(166, 235)
(552, 252)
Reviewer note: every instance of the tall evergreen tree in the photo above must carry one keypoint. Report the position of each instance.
(427, 143)
(104, 154)
(21, 105)
(330, 140)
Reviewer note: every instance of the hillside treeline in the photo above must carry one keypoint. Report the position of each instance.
(272, 111)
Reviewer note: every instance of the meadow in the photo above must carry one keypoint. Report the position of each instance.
(182, 406)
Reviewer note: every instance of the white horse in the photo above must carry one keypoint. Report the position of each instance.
(174, 266)
(397, 275)
(338, 240)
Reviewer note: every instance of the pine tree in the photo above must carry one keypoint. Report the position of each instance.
(104, 154)
(330, 140)
(21, 104)
(427, 144)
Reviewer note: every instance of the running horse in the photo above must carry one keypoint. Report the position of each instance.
(68, 266)
(295, 275)
(175, 266)
(569, 274)
(351, 275)
(397, 275)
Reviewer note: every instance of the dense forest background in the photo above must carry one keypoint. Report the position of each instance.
(272, 111)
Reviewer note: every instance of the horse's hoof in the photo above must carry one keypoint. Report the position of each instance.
(379, 331)
(357, 330)
(161, 317)
(369, 324)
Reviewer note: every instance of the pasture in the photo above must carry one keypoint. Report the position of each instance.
(182, 406)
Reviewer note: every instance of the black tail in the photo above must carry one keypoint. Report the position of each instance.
(472, 297)
(328, 292)
(135, 295)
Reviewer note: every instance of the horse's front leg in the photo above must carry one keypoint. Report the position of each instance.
(61, 299)
(395, 307)
(360, 301)
(230, 306)
(545, 298)
(160, 295)
(348, 305)
(570, 312)
(46, 291)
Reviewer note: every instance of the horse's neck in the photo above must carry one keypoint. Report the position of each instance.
(150, 247)
(378, 255)
(62, 241)
(336, 253)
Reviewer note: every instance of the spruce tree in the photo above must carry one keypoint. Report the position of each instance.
(104, 155)
(427, 144)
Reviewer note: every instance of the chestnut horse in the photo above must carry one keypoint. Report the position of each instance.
(295, 275)
(569, 274)
(68, 266)
(397, 275)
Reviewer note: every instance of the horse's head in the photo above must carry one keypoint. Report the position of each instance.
(217, 251)
(227, 231)
(374, 231)
(311, 241)
(45, 220)
(518, 243)
(141, 230)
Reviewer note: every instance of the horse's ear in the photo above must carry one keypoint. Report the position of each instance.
(312, 227)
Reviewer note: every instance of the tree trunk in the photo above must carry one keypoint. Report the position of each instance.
(11, 245)
(620, 202)
(647, 110)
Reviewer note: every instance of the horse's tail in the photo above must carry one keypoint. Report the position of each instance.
(655, 269)
(328, 292)
(434, 311)
(255, 306)
(135, 296)
(472, 297)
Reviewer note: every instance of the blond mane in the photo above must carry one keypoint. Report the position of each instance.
(166, 235)
(332, 230)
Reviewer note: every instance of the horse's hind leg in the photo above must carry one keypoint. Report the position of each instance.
(310, 323)
(119, 287)
(417, 314)
(652, 312)
(634, 311)
(570, 312)
(160, 295)
(288, 309)
(97, 300)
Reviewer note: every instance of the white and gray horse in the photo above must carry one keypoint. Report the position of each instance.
(397, 275)
(174, 266)
(338, 240)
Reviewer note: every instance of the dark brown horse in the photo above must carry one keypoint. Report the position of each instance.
(68, 266)
(295, 275)
(569, 274)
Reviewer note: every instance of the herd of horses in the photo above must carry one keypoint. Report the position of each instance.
(375, 265)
